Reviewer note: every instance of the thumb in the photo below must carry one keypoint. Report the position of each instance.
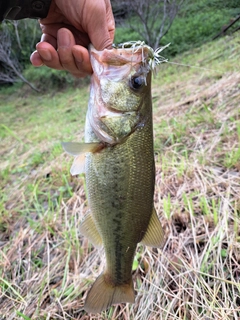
(101, 40)
(101, 31)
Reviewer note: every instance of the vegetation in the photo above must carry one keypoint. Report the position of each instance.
(46, 266)
(196, 22)
(15, 48)
(150, 19)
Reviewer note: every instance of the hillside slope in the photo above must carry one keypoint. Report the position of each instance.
(46, 266)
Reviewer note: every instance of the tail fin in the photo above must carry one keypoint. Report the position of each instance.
(102, 295)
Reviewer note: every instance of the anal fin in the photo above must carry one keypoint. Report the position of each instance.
(154, 236)
(89, 230)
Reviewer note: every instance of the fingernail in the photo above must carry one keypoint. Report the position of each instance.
(63, 39)
(36, 62)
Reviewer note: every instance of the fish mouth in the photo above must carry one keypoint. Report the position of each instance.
(121, 55)
(118, 62)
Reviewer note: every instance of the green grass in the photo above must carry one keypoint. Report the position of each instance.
(46, 266)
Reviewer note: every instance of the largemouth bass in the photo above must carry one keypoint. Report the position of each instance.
(118, 160)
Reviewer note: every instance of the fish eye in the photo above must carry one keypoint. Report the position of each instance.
(137, 82)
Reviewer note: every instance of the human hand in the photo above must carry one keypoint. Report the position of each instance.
(68, 30)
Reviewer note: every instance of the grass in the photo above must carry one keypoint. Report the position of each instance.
(46, 266)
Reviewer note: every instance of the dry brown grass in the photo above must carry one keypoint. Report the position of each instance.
(46, 267)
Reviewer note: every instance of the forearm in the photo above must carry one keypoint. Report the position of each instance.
(20, 9)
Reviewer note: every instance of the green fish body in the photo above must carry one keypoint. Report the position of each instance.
(119, 168)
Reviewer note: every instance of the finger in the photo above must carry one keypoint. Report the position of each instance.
(50, 39)
(78, 65)
(66, 41)
(82, 60)
(49, 55)
(35, 57)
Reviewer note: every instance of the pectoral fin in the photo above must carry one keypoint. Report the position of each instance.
(154, 236)
(78, 165)
(77, 148)
(89, 230)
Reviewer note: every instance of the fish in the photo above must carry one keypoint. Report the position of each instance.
(117, 158)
